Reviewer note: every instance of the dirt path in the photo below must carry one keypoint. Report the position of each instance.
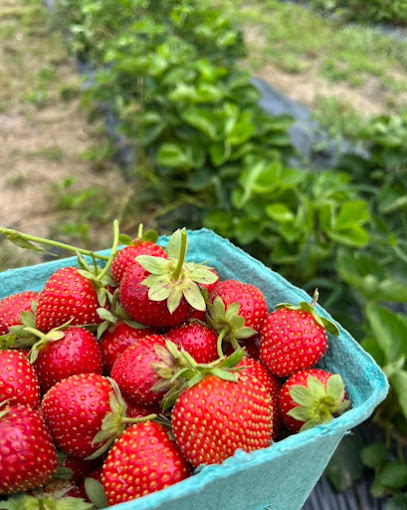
(42, 130)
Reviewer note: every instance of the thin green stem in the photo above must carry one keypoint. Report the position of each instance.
(113, 251)
(140, 231)
(182, 253)
(139, 420)
(219, 342)
(8, 232)
(315, 298)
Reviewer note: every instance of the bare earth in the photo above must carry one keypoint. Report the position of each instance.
(41, 139)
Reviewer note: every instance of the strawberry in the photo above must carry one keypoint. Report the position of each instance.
(255, 368)
(80, 468)
(162, 292)
(134, 373)
(67, 296)
(116, 339)
(126, 258)
(197, 339)
(252, 303)
(235, 311)
(143, 460)
(206, 288)
(74, 410)
(215, 417)
(311, 397)
(18, 381)
(28, 457)
(293, 338)
(77, 352)
(11, 308)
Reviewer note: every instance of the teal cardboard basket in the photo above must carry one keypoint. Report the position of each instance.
(281, 476)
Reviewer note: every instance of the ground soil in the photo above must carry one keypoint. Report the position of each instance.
(41, 138)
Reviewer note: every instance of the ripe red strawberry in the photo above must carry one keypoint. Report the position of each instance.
(116, 339)
(74, 410)
(126, 257)
(76, 353)
(137, 304)
(197, 339)
(162, 292)
(11, 308)
(134, 373)
(80, 467)
(293, 338)
(255, 368)
(143, 460)
(27, 454)
(67, 295)
(253, 305)
(18, 381)
(311, 397)
(251, 346)
(215, 417)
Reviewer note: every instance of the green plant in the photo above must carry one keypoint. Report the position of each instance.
(394, 11)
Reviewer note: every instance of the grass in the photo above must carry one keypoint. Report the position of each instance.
(28, 44)
(299, 41)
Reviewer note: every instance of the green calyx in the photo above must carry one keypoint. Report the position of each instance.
(115, 422)
(149, 235)
(113, 315)
(45, 501)
(306, 307)
(173, 278)
(179, 371)
(318, 403)
(18, 336)
(227, 322)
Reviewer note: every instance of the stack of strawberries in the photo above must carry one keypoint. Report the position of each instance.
(116, 382)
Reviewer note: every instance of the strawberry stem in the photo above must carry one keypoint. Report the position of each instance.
(315, 298)
(140, 231)
(220, 338)
(141, 419)
(9, 232)
(113, 252)
(182, 253)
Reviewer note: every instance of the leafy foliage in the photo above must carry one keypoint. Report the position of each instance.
(208, 154)
(380, 11)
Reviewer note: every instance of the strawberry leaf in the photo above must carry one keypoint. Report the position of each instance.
(95, 492)
(174, 299)
(154, 265)
(300, 413)
(202, 274)
(124, 239)
(194, 297)
(335, 387)
(151, 236)
(315, 387)
(301, 395)
(159, 292)
(174, 244)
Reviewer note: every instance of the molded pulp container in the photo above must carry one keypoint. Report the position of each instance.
(281, 476)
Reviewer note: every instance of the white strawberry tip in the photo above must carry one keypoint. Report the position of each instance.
(172, 279)
(317, 403)
(330, 326)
